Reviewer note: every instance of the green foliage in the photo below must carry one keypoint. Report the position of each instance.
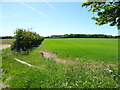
(83, 36)
(25, 40)
(55, 75)
(108, 12)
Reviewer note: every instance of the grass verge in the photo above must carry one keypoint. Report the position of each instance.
(55, 75)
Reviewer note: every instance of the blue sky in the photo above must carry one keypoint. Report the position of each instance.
(51, 18)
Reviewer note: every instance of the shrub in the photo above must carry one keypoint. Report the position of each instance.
(25, 40)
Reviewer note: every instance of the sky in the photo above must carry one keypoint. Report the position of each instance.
(49, 18)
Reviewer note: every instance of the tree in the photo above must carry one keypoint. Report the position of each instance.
(108, 12)
(26, 40)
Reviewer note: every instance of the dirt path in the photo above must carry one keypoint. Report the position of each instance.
(3, 46)
(49, 54)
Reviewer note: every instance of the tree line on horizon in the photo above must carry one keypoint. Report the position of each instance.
(6, 37)
(72, 36)
(82, 36)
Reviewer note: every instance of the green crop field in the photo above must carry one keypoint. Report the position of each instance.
(96, 65)
(88, 49)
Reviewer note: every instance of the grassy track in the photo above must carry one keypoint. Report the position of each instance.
(75, 75)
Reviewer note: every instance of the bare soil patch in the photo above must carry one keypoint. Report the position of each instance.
(49, 54)
(3, 46)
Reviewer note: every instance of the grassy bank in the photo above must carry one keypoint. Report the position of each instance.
(81, 74)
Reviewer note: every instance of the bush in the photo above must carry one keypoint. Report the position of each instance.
(26, 40)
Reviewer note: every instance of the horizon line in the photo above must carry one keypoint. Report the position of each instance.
(69, 33)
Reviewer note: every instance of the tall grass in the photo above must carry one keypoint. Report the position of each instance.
(55, 75)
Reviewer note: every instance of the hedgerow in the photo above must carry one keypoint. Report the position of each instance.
(25, 40)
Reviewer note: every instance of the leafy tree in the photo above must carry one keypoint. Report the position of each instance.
(108, 12)
(26, 40)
